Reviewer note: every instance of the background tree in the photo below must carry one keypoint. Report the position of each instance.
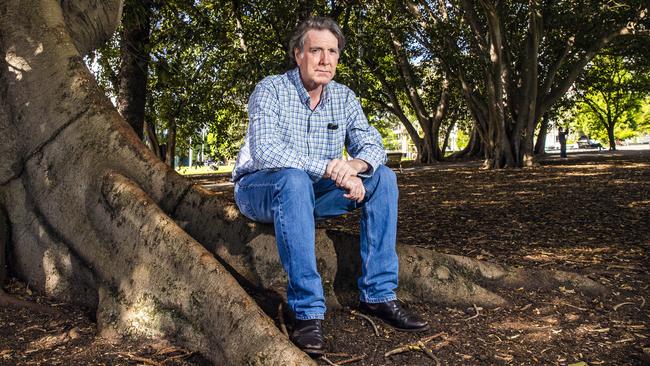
(612, 94)
(395, 77)
(134, 62)
(515, 60)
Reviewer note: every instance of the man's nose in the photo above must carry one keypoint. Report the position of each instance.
(325, 58)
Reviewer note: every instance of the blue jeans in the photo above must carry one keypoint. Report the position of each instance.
(292, 202)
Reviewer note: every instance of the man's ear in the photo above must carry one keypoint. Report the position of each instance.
(297, 53)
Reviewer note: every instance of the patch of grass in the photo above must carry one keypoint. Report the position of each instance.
(186, 170)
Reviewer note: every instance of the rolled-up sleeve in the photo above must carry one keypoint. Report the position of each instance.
(268, 151)
(362, 140)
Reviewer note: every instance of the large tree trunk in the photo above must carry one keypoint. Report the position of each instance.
(152, 139)
(540, 145)
(610, 136)
(170, 150)
(94, 217)
(134, 63)
(87, 201)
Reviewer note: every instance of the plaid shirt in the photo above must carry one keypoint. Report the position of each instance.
(285, 133)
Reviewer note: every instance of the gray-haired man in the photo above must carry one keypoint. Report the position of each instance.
(290, 172)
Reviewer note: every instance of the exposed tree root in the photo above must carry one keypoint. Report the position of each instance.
(248, 249)
(7, 300)
(84, 232)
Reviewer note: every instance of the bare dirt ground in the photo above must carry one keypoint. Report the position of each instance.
(588, 214)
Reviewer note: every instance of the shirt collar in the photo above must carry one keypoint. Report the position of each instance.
(294, 77)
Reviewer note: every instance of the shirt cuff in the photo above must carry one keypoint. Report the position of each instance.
(373, 162)
(316, 169)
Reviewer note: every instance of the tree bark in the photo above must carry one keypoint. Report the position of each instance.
(134, 63)
(96, 218)
(86, 201)
(474, 148)
(428, 146)
(540, 144)
(171, 143)
(152, 138)
(610, 137)
(4, 243)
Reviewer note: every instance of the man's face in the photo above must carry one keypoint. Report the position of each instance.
(318, 60)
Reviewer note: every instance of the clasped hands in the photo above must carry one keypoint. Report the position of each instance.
(344, 174)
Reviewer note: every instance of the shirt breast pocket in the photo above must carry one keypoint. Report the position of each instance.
(335, 139)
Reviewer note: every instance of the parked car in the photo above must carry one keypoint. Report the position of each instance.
(213, 164)
(586, 143)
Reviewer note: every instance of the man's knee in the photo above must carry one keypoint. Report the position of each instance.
(294, 180)
(386, 175)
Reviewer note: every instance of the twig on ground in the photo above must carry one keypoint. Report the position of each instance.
(141, 359)
(575, 307)
(327, 361)
(402, 349)
(625, 340)
(428, 353)
(495, 336)
(616, 307)
(374, 326)
(642, 301)
(283, 325)
(618, 266)
(168, 350)
(432, 337)
(525, 307)
(352, 359)
(440, 344)
(600, 330)
(183, 355)
(33, 327)
(337, 354)
(476, 308)
(420, 346)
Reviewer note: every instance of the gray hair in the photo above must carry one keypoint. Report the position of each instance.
(319, 23)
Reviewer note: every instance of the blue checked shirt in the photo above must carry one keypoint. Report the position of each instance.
(283, 132)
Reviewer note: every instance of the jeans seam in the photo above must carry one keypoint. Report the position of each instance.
(378, 300)
(310, 316)
(284, 242)
(369, 244)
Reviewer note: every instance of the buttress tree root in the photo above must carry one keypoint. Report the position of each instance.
(93, 217)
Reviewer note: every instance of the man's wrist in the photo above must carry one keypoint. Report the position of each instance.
(359, 165)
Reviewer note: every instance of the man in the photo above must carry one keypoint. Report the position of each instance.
(561, 134)
(289, 172)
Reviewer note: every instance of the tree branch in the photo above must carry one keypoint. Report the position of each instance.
(564, 85)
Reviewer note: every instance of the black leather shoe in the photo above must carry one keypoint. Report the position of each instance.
(308, 336)
(393, 314)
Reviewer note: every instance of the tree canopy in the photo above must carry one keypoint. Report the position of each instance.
(428, 63)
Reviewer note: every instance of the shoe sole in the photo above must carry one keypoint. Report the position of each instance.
(314, 353)
(413, 330)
